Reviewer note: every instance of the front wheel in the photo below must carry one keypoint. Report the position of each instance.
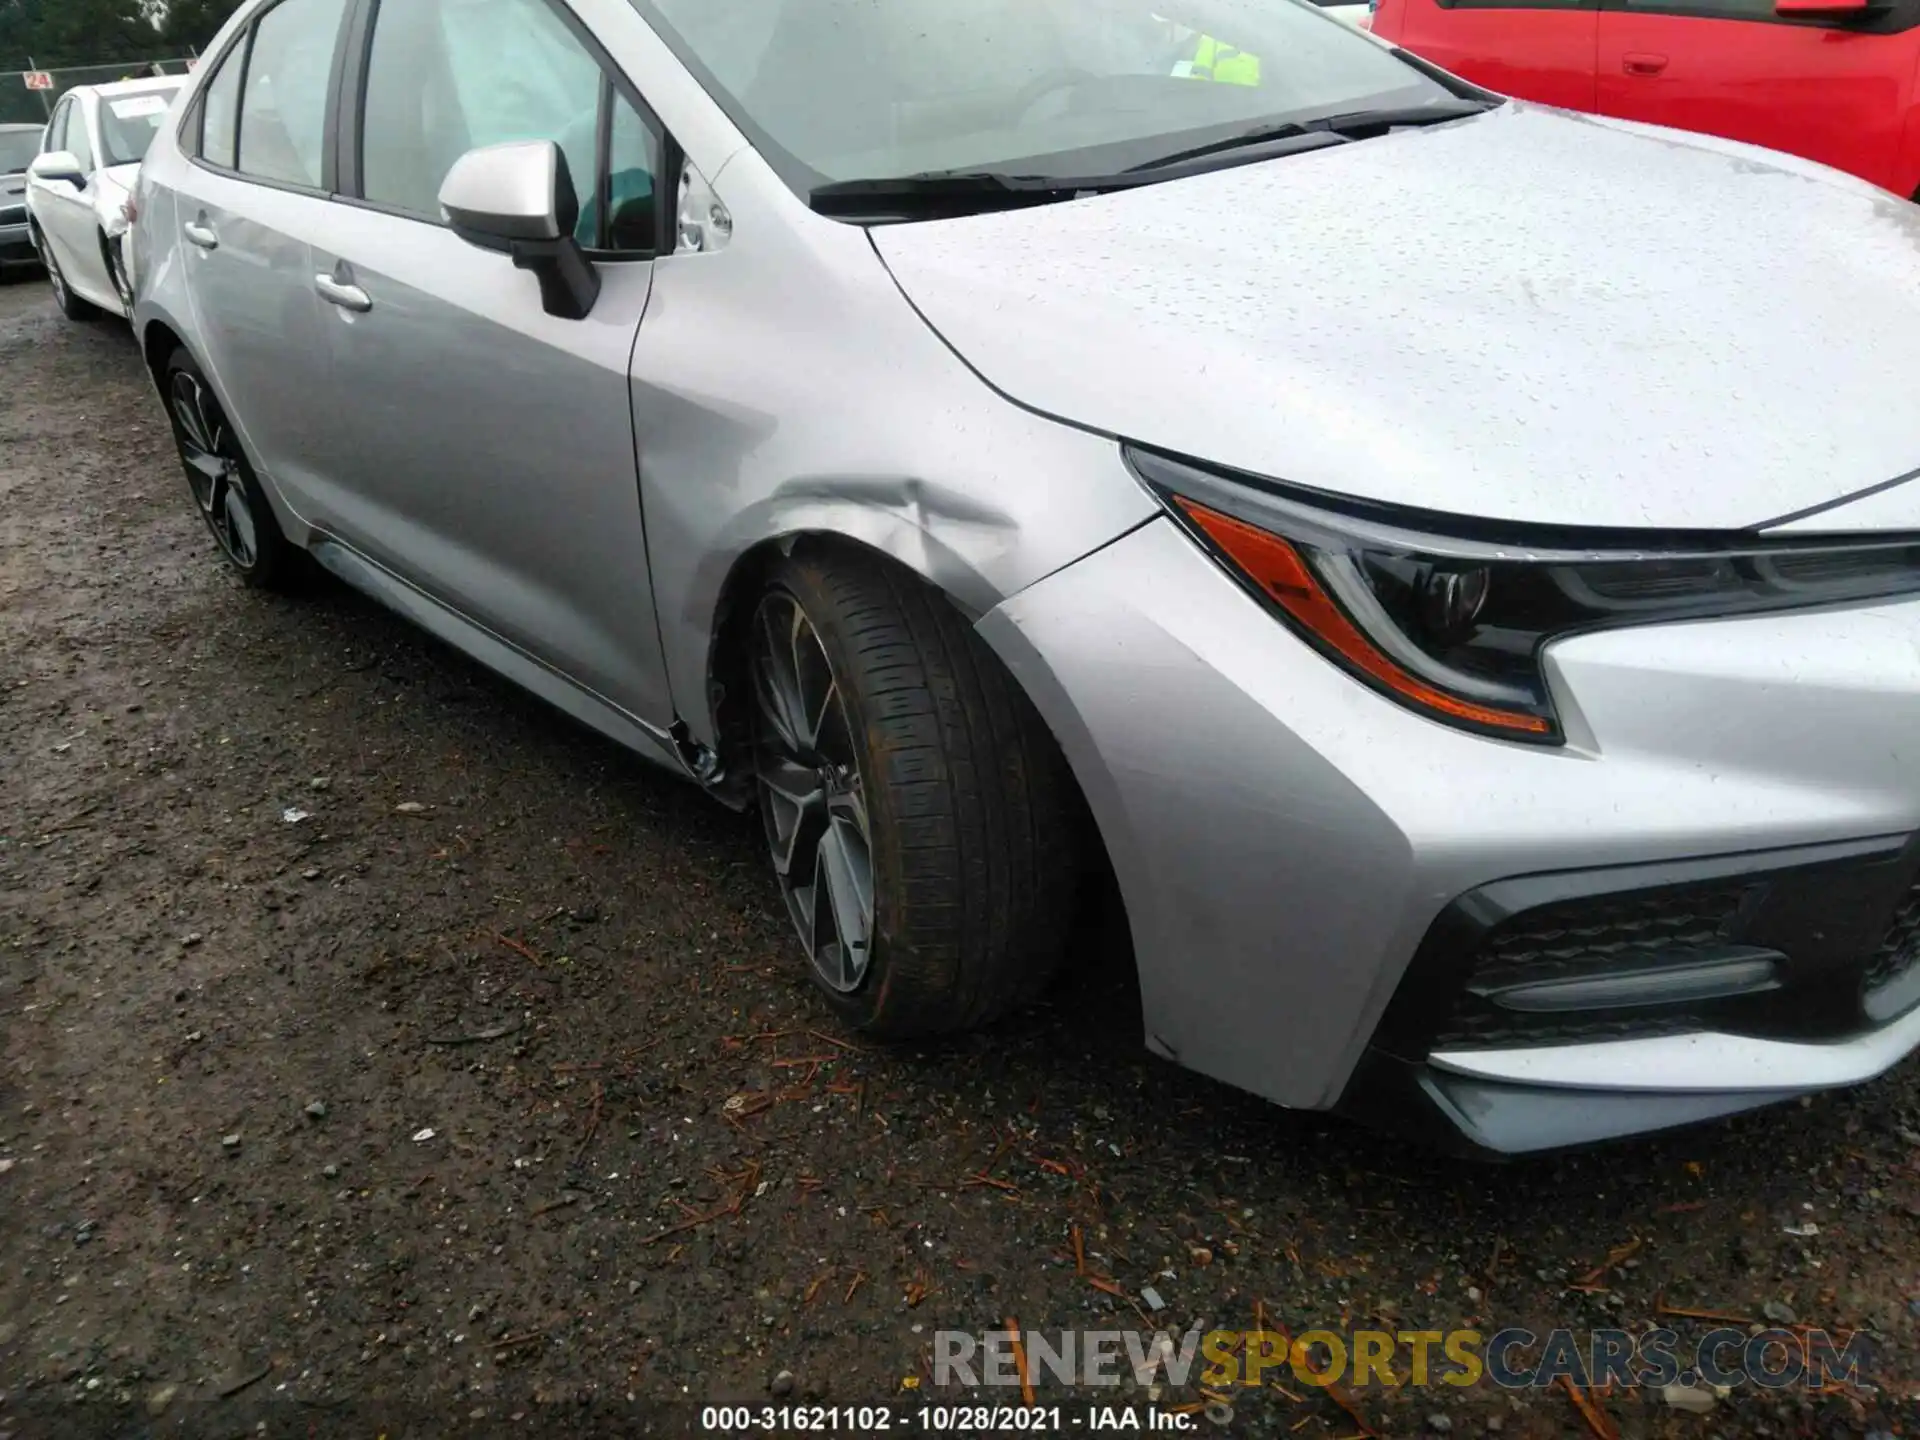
(919, 813)
(224, 489)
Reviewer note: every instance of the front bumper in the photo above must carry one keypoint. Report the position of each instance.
(1330, 895)
(1566, 1008)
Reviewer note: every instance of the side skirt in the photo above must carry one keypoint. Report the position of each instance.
(498, 655)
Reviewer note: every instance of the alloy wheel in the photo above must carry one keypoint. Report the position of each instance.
(812, 798)
(212, 457)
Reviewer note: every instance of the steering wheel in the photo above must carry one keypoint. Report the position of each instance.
(1066, 77)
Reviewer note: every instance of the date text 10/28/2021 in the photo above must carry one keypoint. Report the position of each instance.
(915, 1419)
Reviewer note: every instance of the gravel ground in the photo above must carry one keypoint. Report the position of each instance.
(384, 1055)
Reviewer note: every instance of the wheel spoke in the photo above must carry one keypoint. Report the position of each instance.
(211, 467)
(847, 874)
(190, 411)
(776, 687)
(833, 741)
(797, 812)
(814, 692)
(216, 508)
(240, 533)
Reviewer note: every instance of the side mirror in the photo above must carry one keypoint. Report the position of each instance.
(518, 198)
(56, 166)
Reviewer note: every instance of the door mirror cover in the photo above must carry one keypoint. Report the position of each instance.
(57, 165)
(519, 198)
(520, 191)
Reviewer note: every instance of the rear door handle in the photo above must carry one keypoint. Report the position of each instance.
(1643, 64)
(201, 235)
(338, 292)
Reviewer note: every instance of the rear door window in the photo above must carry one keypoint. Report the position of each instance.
(220, 109)
(283, 112)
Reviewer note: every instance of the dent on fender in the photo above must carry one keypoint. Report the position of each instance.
(950, 537)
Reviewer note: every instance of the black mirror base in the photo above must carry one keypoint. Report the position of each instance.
(569, 284)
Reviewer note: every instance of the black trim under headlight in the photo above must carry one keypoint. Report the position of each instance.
(1453, 624)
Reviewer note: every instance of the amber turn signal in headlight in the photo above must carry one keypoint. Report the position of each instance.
(1452, 616)
(1276, 567)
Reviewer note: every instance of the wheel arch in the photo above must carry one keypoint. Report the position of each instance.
(725, 671)
(703, 642)
(728, 685)
(158, 341)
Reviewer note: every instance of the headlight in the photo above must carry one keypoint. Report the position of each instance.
(1450, 617)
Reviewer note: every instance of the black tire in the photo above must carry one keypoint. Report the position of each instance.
(970, 811)
(222, 483)
(71, 305)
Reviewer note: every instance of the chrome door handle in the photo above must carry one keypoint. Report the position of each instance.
(347, 297)
(201, 235)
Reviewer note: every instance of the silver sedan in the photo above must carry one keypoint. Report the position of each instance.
(1452, 563)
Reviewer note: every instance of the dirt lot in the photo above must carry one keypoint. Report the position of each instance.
(516, 1110)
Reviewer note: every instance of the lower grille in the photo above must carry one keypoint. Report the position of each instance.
(1614, 932)
(13, 214)
(1484, 1028)
(1889, 984)
(1819, 945)
(1589, 939)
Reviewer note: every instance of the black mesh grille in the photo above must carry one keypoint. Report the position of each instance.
(1483, 1026)
(1582, 938)
(1901, 949)
(1586, 937)
(1821, 945)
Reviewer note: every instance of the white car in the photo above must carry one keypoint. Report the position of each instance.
(80, 189)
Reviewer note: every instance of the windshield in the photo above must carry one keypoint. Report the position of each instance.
(129, 121)
(836, 90)
(17, 149)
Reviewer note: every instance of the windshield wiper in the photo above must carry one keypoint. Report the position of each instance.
(945, 193)
(1328, 129)
(1356, 124)
(952, 193)
(955, 192)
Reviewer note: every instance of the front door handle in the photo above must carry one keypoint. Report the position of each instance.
(1643, 64)
(338, 292)
(201, 234)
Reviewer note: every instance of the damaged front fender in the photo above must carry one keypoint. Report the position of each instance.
(783, 387)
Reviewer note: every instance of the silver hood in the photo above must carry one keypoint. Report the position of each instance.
(1528, 315)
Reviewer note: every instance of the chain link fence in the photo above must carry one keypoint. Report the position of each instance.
(20, 105)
